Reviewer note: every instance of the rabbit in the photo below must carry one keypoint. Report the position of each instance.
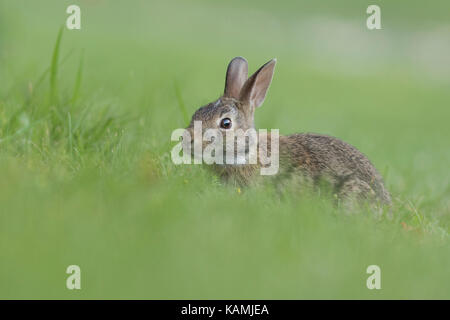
(307, 158)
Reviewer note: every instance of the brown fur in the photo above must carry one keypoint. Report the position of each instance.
(308, 158)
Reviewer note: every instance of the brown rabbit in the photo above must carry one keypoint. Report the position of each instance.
(308, 158)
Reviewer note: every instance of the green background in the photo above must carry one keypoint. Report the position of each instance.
(86, 176)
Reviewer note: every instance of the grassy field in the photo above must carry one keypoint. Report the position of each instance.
(86, 176)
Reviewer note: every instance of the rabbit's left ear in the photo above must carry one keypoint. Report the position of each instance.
(255, 88)
(237, 73)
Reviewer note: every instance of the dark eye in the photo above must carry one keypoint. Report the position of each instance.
(225, 123)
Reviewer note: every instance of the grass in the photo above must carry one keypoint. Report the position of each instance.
(85, 124)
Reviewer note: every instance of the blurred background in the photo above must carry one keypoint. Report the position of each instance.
(85, 123)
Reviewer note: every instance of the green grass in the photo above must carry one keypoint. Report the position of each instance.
(85, 124)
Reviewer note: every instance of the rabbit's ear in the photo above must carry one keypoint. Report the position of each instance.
(255, 88)
(237, 73)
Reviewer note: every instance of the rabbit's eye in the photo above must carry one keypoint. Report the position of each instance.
(225, 123)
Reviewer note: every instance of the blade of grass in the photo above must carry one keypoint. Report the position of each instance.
(181, 104)
(78, 78)
(69, 120)
(28, 100)
(54, 69)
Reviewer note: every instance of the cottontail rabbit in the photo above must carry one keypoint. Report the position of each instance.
(305, 157)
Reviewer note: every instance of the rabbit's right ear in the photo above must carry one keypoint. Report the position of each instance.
(255, 88)
(237, 74)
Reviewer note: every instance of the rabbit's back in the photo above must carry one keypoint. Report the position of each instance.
(324, 157)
